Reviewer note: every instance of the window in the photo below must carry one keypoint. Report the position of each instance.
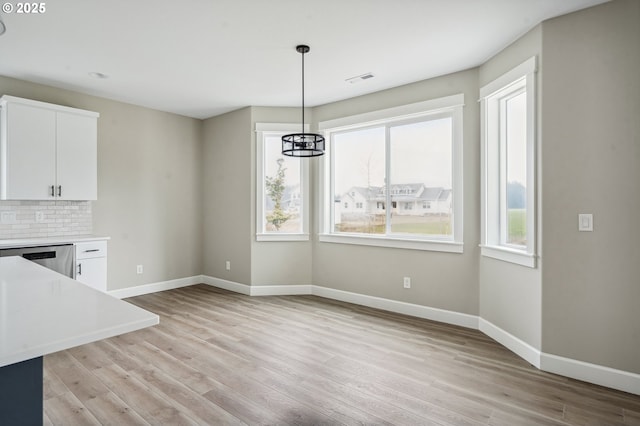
(282, 190)
(403, 157)
(508, 166)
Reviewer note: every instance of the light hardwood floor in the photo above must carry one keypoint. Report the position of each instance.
(223, 358)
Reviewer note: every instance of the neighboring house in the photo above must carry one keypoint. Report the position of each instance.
(290, 202)
(407, 199)
(359, 200)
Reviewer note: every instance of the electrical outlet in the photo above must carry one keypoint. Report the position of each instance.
(407, 282)
(585, 222)
(8, 217)
(139, 269)
(227, 265)
(39, 217)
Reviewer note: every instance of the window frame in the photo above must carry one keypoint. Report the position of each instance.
(451, 106)
(493, 165)
(262, 131)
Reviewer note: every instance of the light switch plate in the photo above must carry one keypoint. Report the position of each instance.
(585, 222)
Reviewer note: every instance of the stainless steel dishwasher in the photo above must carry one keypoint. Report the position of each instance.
(58, 258)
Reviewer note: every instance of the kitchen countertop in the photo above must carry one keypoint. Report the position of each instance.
(42, 312)
(49, 241)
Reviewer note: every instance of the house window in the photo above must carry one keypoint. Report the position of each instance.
(396, 156)
(508, 166)
(282, 190)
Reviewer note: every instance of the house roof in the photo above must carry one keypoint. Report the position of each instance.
(417, 192)
(444, 195)
(367, 193)
(430, 194)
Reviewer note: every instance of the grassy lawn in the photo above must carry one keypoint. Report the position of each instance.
(518, 226)
(439, 227)
(434, 225)
(425, 225)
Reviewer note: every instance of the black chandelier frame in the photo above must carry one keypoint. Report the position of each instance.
(303, 144)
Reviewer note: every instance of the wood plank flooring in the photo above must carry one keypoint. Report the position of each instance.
(220, 358)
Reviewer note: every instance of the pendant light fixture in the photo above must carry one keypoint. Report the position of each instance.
(303, 144)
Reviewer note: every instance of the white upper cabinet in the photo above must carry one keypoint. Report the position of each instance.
(77, 154)
(47, 152)
(28, 171)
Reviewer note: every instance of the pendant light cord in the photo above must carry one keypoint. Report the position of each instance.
(303, 91)
(303, 144)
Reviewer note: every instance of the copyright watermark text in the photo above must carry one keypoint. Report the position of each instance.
(27, 8)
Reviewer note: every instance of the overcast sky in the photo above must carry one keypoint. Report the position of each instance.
(420, 153)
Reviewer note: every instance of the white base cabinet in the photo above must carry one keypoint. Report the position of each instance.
(91, 264)
(47, 151)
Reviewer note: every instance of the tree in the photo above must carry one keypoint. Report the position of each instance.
(275, 189)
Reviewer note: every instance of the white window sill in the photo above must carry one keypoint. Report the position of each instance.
(403, 243)
(282, 237)
(509, 255)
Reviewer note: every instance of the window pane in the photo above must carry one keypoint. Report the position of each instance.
(282, 189)
(421, 175)
(516, 169)
(359, 164)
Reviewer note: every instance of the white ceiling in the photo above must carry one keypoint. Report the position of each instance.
(201, 58)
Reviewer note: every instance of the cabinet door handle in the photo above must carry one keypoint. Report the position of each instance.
(53, 191)
(79, 268)
(59, 190)
(91, 251)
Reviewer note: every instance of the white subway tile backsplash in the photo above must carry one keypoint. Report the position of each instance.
(60, 218)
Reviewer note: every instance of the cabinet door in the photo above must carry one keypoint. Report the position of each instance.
(92, 272)
(28, 168)
(77, 157)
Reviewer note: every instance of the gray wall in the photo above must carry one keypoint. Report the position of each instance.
(227, 198)
(149, 185)
(172, 188)
(277, 262)
(591, 164)
(510, 294)
(441, 280)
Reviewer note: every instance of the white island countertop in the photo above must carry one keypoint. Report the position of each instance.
(42, 312)
(49, 241)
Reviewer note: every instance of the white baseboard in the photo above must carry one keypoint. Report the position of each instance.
(592, 373)
(511, 342)
(227, 285)
(440, 315)
(155, 287)
(420, 311)
(266, 290)
(280, 290)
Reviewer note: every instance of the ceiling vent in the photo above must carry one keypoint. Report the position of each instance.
(359, 78)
